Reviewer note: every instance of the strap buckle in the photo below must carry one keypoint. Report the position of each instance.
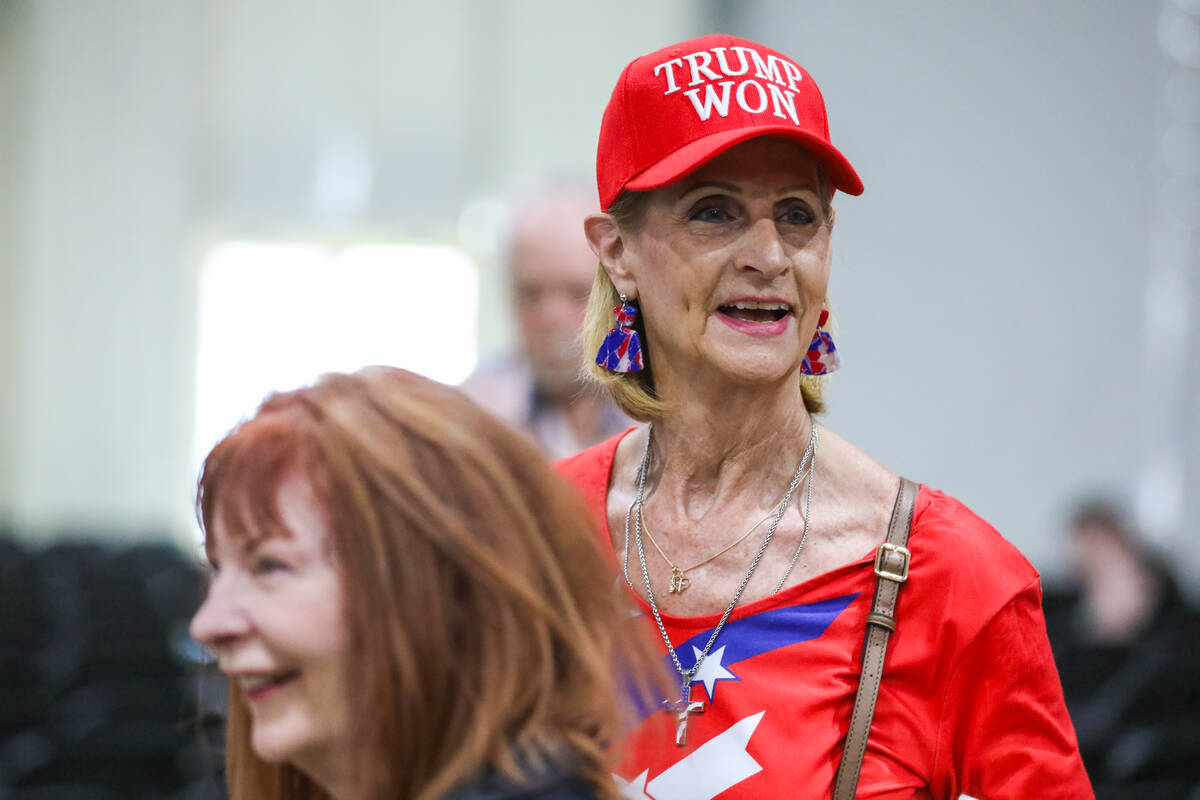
(900, 550)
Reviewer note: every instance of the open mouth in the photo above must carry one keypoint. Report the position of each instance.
(259, 686)
(751, 311)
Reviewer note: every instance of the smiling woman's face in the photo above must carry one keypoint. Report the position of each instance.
(274, 618)
(731, 265)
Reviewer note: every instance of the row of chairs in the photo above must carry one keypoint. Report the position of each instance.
(98, 677)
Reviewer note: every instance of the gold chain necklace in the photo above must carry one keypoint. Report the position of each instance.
(679, 579)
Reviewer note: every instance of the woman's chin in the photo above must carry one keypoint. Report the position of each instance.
(760, 384)
(276, 743)
(270, 752)
(746, 359)
(752, 367)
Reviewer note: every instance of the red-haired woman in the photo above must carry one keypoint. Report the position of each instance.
(407, 602)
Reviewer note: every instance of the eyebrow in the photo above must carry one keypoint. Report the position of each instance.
(800, 187)
(729, 187)
(734, 189)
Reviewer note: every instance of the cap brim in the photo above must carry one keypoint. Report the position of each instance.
(695, 154)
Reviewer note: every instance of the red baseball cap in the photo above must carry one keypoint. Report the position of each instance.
(676, 108)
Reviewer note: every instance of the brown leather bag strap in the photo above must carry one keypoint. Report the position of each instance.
(891, 566)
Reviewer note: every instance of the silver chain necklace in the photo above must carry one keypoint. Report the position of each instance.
(807, 510)
(685, 706)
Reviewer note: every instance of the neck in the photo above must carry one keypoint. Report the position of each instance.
(332, 775)
(740, 442)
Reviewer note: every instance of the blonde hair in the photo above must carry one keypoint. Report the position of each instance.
(634, 392)
(484, 626)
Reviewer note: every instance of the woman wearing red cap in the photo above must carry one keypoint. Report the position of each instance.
(783, 569)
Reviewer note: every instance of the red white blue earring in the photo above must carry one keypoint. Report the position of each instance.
(822, 357)
(621, 350)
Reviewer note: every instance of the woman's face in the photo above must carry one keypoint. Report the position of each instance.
(732, 264)
(274, 618)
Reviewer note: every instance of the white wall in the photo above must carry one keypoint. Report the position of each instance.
(12, 59)
(98, 416)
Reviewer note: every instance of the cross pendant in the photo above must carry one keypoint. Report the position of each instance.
(682, 708)
(679, 581)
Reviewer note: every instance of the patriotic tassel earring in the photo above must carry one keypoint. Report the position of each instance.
(822, 357)
(621, 350)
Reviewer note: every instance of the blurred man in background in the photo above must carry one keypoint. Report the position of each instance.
(539, 389)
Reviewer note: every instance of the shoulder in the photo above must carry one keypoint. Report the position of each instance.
(589, 470)
(955, 536)
(960, 558)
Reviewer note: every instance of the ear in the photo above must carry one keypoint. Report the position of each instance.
(609, 244)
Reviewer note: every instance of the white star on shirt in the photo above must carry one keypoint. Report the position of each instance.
(634, 789)
(711, 670)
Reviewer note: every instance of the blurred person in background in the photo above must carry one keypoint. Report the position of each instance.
(1124, 638)
(407, 602)
(773, 557)
(539, 389)
(1124, 590)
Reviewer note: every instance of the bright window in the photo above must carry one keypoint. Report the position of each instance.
(277, 315)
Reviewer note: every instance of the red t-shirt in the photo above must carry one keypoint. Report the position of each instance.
(970, 704)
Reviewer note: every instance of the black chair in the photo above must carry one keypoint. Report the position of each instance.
(98, 683)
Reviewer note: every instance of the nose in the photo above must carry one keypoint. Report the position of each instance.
(220, 620)
(762, 250)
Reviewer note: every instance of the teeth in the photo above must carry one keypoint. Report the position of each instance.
(250, 683)
(747, 305)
